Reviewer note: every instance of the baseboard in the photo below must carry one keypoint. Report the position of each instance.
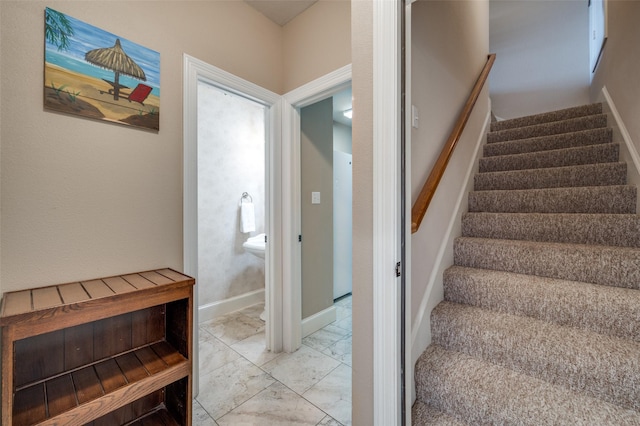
(222, 307)
(420, 330)
(317, 321)
(628, 151)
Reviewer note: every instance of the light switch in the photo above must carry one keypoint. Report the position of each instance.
(315, 198)
(415, 118)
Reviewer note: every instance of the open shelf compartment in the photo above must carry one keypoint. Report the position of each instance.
(116, 358)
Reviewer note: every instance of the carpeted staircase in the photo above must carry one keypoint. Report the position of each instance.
(541, 319)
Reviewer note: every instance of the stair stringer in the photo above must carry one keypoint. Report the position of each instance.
(628, 151)
(434, 290)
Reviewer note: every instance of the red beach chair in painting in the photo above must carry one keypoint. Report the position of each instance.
(139, 94)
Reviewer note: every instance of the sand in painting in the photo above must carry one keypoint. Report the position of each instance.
(77, 93)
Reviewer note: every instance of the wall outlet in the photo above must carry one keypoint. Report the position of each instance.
(315, 198)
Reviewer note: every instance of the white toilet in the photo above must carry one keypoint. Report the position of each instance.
(256, 246)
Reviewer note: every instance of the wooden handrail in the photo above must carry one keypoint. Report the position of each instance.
(431, 184)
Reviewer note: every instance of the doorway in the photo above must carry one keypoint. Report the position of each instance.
(325, 208)
(197, 72)
(293, 102)
(231, 201)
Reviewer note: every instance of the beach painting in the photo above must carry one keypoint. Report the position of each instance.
(95, 74)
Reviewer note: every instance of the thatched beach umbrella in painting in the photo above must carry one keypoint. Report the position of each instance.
(115, 59)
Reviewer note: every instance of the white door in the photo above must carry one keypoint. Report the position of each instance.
(342, 223)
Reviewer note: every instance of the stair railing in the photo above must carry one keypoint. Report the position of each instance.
(431, 184)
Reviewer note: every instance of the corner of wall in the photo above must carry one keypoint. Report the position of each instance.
(628, 151)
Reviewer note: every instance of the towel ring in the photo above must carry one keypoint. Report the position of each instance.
(246, 196)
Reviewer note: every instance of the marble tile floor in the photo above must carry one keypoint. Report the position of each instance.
(243, 384)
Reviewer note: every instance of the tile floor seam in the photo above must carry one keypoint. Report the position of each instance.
(332, 330)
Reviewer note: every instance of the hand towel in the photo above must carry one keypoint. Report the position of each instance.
(247, 217)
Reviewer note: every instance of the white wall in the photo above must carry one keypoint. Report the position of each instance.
(620, 64)
(342, 138)
(450, 44)
(542, 50)
(231, 161)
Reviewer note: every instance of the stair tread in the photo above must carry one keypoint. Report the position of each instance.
(578, 359)
(544, 143)
(548, 116)
(540, 322)
(599, 174)
(423, 415)
(576, 228)
(545, 129)
(599, 308)
(483, 393)
(590, 154)
(574, 262)
(587, 199)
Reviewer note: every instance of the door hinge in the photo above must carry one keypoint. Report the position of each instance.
(299, 238)
(398, 269)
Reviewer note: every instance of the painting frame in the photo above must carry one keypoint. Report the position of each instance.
(93, 73)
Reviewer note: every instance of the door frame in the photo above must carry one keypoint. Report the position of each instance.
(305, 95)
(194, 71)
(388, 255)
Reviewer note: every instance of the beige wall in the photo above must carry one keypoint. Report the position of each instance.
(620, 64)
(362, 48)
(317, 42)
(316, 165)
(450, 44)
(1, 291)
(83, 198)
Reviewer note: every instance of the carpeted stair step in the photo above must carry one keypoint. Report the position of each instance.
(621, 230)
(540, 323)
(545, 143)
(600, 309)
(423, 415)
(605, 265)
(546, 129)
(591, 154)
(588, 199)
(601, 174)
(481, 393)
(579, 360)
(546, 117)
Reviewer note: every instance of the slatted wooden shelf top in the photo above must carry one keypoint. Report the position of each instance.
(109, 351)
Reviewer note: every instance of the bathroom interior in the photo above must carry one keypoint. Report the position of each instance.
(231, 202)
(231, 252)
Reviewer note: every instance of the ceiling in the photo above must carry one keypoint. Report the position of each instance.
(280, 11)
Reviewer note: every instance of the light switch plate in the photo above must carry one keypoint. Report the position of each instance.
(315, 198)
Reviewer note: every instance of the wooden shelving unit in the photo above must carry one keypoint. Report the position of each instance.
(111, 351)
